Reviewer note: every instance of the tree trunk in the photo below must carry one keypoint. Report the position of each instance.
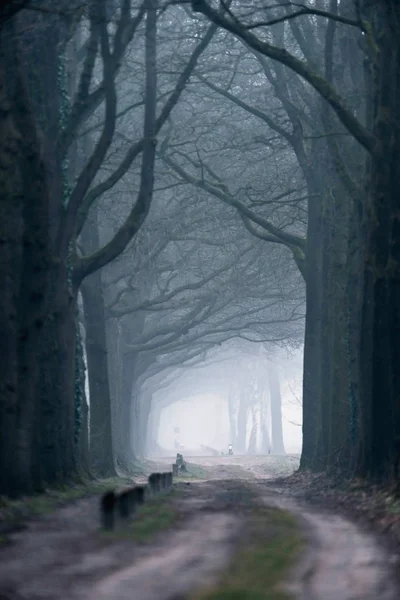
(380, 355)
(81, 406)
(152, 433)
(355, 286)
(232, 419)
(336, 389)
(252, 447)
(312, 336)
(135, 422)
(123, 362)
(101, 443)
(276, 411)
(11, 232)
(43, 350)
(52, 362)
(265, 443)
(139, 441)
(24, 266)
(57, 380)
(127, 431)
(140, 403)
(242, 423)
(123, 421)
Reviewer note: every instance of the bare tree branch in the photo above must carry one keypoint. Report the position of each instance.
(86, 103)
(67, 225)
(121, 239)
(218, 191)
(137, 148)
(232, 24)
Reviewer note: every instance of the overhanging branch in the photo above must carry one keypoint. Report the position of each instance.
(231, 23)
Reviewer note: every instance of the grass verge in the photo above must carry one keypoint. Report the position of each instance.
(15, 513)
(272, 543)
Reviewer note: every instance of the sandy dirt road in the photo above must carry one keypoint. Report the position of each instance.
(64, 557)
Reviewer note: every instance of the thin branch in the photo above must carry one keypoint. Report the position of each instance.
(164, 298)
(86, 103)
(219, 192)
(137, 148)
(248, 108)
(307, 11)
(361, 134)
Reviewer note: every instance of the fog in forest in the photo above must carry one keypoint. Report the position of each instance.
(198, 412)
(200, 298)
(199, 257)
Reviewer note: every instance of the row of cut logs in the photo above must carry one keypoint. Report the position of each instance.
(119, 506)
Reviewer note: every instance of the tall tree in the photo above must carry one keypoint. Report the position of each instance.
(43, 434)
(379, 22)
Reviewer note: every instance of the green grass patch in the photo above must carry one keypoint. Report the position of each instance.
(157, 515)
(272, 545)
(192, 472)
(394, 508)
(151, 519)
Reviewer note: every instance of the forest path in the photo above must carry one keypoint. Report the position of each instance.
(63, 556)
